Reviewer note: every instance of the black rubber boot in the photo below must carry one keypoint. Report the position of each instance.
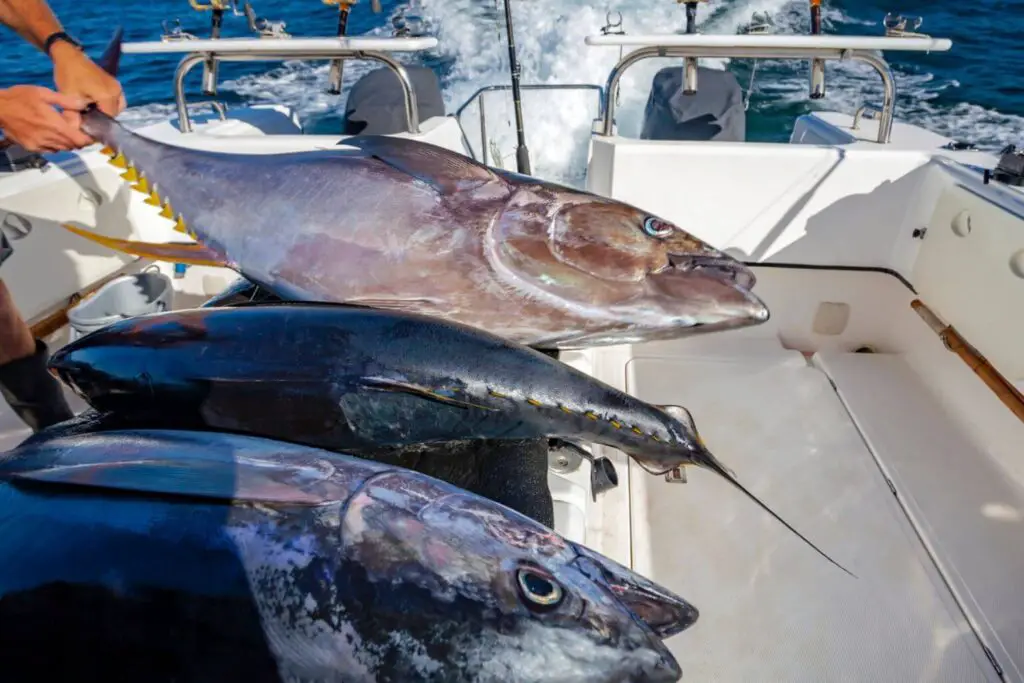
(32, 392)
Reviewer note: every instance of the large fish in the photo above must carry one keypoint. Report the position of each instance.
(356, 379)
(181, 556)
(401, 224)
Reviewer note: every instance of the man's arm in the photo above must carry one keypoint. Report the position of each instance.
(23, 115)
(33, 20)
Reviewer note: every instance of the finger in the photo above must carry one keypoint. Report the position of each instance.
(63, 101)
(55, 130)
(113, 105)
(74, 120)
(45, 143)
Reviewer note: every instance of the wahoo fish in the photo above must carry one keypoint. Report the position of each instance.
(390, 222)
(358, 379)
(153, 555)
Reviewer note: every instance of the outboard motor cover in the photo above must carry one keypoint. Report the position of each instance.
(376, 105)
(714, 112)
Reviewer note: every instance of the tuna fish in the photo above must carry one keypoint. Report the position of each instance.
(357, 379)
(184, 556)
(397, 223)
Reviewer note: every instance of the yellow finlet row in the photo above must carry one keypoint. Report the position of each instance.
(141, 184)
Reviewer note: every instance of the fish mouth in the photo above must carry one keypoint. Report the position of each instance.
(710, 291)
(721, 267)
(659, 609)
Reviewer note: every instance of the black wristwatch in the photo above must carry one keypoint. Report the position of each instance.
(59, 35)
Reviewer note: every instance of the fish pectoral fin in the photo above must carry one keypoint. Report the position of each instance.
(442, 168)
(192, 254)
(221, 481)
(398, 386)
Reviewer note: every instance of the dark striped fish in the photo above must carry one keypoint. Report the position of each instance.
(357, 379)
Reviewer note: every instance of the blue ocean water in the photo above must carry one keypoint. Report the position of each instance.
(973, 93)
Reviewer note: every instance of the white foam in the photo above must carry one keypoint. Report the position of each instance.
(550, 45)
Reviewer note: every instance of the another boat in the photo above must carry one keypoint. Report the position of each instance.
(852, 411)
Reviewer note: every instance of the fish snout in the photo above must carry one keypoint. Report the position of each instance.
(658, 608)
(711, 290)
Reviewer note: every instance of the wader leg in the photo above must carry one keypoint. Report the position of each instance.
(35, 396)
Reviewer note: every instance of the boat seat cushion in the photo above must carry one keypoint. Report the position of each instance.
(376, 104)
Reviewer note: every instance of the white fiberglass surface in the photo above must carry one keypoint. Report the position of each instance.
(771, 609)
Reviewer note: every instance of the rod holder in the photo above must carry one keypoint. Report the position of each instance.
(690, 63)
(337, 70)
(217, 9)
(691, 17)
(817, 84)
(817, 79)
(690, 76)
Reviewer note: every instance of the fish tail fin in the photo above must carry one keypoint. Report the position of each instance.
(191, 254)
(712, 463)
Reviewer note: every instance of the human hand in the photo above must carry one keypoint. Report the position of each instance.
(76, 75)
(28, 117)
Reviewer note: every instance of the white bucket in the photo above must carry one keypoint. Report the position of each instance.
(124, 297)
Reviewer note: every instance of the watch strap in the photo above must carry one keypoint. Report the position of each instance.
(59, 35)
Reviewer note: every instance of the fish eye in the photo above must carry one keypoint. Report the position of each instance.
(538, 590)
(657, 228)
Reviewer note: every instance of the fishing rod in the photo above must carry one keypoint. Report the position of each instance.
(951, 339)
(522, 153)
(817, 65)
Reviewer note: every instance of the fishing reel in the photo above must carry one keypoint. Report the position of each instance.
(407, 23)
(1010, 169)
(172, 31)
(761, 23)
(896, 26)
(612, 28)
(264, 28)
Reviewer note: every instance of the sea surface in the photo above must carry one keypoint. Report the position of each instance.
(974, 92)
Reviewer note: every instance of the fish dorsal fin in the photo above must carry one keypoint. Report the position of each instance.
(110, 60)
(447, 171)
(217, 466)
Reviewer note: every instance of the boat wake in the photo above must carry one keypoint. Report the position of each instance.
(473, 53)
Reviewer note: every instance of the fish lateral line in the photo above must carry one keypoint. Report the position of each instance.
(589, 414)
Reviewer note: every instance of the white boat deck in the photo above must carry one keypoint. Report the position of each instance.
(816, 435)
(771, 608)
